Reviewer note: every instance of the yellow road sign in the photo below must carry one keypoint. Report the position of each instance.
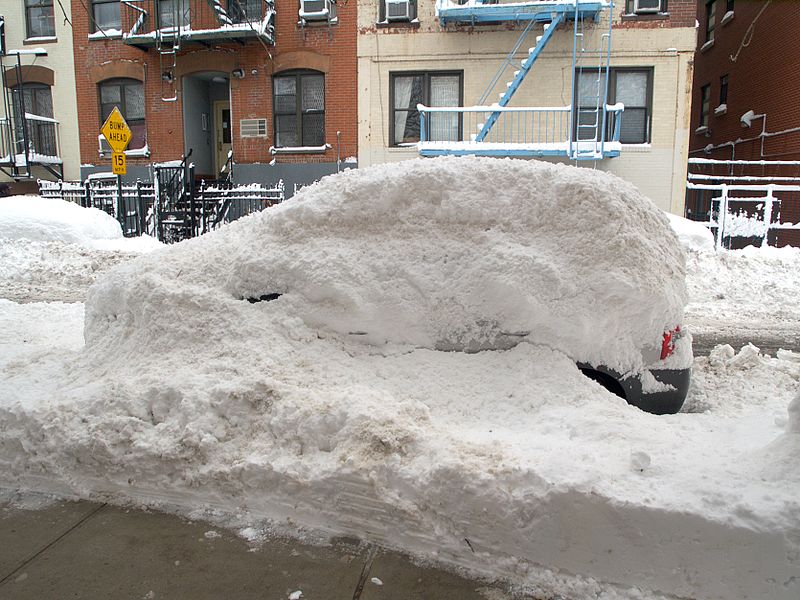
(116, 131)
(118, 164)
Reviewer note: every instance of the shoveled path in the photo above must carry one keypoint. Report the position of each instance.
(98, 551)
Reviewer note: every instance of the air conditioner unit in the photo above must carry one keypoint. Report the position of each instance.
(646, 6)
(398, 10)
(315, 10)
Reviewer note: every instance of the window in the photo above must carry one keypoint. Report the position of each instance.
(128, 96)
(242, 11)
(34, 99)
(39, 18)
(105, 15)
(710, 19)
(431, 89)
(631, 87)
(705, 100)
(299, 107)
(398, 10)
(173, 13)
(723, 89)
(644, 7)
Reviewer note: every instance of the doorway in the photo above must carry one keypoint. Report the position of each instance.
(222, 132)
(207, 121)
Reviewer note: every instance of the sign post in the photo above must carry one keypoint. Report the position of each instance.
(118, 135)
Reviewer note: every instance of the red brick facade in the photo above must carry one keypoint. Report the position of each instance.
(329, 49)
(755, 48)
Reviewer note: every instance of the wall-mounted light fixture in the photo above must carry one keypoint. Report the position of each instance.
(238, 73)
(167, 76)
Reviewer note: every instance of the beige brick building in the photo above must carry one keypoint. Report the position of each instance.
(39, 75)
(651, 54)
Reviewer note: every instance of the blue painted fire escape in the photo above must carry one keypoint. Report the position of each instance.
(587, 129)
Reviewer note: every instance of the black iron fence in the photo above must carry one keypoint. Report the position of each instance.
(170, 208)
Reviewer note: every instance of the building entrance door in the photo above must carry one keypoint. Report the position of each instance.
(222, 132)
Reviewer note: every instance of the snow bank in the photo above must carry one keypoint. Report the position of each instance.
(188, 394)
(50, 219)
(692, 235)
(742, 292)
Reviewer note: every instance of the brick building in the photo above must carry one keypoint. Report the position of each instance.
(270, 84)
(444, 55)
(746, 99)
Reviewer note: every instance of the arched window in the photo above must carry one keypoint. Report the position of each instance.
(128, 96)
(36, 101)
(299, 108)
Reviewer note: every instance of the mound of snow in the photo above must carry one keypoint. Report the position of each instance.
(425, 253)
(692, 235)
(50, 219)
(188, 394)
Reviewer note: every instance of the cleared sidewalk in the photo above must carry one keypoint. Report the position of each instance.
(87, 550)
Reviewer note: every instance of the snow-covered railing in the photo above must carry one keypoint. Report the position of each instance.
(518, 131)
(755, 215)
(225, 202)
(744, 200)
(196, 21)
(488, 11)
(41, 135)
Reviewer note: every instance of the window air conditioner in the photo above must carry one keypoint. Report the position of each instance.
(398, 10)
(646, 6)
(315, 10)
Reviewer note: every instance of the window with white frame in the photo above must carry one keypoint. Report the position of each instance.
(431, 88)
(299, 109)
(633, 87)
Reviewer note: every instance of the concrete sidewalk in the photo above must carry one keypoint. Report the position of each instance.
(97, 551)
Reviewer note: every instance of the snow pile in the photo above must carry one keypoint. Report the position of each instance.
(739, 293)
(692, 235)
(424, 253)
(188, 394)
(54, 250)
(50, 219)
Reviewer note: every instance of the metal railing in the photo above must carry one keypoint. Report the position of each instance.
(548, 130)
(745, 202)
(171, 218)
(42, 134)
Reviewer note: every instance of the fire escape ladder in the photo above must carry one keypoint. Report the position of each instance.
(519, 76)
(168, 43)
(589, 95)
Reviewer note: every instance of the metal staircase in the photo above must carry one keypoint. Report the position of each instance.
(587, 129)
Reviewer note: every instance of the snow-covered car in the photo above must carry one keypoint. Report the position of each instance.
(451, 254)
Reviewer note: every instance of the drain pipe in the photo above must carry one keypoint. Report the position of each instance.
(338, 151)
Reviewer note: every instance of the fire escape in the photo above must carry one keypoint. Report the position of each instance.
(27, 139)
(167, 25)
(586, 129)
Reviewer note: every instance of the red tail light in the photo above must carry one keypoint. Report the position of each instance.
(668, 343)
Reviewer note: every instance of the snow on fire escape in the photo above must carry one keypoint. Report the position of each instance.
(166, 25)
(586, 129)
